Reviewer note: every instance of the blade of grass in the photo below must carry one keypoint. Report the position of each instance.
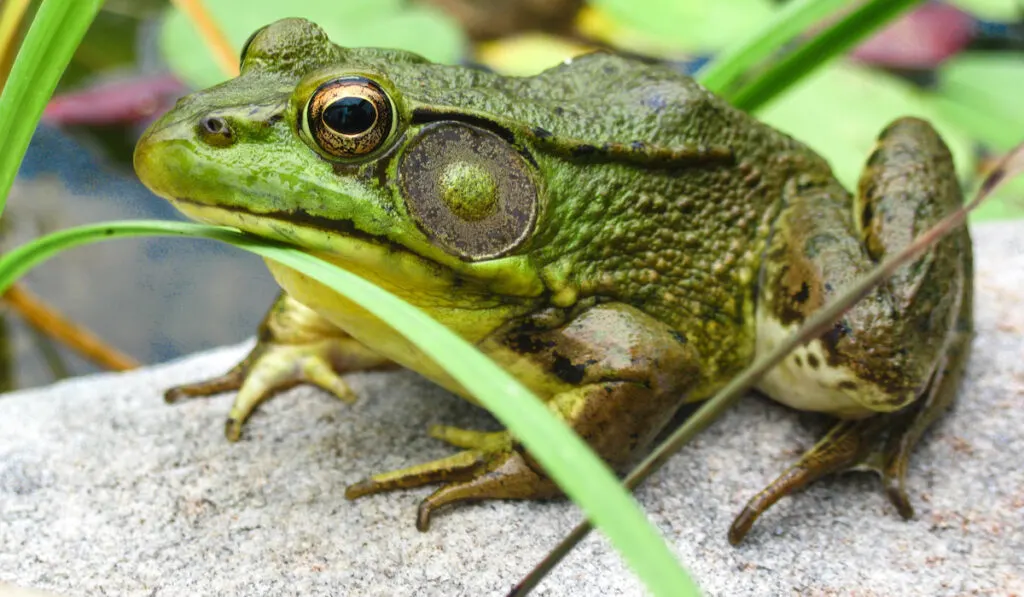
(49, 322)
(723, 73)
(566, 457)
(829, 43)
(56, 31)
(1011, 165)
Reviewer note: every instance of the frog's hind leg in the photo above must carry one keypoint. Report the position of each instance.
(616, 404)
(881, 443)
(295, 345)
(892, 365)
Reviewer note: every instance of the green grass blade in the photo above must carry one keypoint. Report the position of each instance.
(723, 73)
(580, 473)
(836, 39)
(56, 31)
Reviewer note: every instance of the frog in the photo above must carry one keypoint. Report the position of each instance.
(608, 231)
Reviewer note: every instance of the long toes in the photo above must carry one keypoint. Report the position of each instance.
(795, 478)
(507, 478)
(491, 441)
(894, 479)
(846, 445)
(318, 372)
(232, 380)
(455, 467)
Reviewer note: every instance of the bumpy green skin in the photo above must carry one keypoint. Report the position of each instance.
(649, 240)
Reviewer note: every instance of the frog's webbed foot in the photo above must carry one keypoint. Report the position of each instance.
(617, 405)
(490, 467)
(295, 346)
(881, 443)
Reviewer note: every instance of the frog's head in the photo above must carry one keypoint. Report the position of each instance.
(343, 153)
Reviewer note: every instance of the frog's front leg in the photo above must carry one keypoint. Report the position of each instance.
(613, 373)
(892, 364)
(295, 345)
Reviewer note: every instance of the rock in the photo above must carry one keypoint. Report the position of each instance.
(104, 489)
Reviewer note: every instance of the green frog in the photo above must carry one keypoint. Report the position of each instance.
(611, 233)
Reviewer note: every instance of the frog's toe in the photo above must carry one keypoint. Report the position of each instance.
(491, 468)
(508, 477)
(457, 466)
(464, 438)
(268, 370)
(848, 445)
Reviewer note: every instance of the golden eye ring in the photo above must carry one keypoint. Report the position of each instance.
(349, 117)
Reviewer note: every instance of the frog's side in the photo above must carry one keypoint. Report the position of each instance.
(608, 231)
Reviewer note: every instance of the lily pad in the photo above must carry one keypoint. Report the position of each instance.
(381, 23)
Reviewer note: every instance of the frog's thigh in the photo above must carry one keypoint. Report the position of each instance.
(620, 376)
(294, 345)
(900, 351)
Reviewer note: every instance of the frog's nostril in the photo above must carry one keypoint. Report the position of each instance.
(215, 131)
(215, 125)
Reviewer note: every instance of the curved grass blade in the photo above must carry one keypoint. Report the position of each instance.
(834, 40)
(1011, 165)
(569, 461)
(56, 31)
(723, 73)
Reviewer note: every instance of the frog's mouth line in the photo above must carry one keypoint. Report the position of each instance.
(371, 256)
(342, 226)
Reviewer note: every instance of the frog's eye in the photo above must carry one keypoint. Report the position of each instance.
(349, 117)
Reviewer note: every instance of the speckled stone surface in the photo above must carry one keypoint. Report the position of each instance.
(105, 490)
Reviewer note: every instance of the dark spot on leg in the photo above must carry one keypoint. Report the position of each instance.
(867, 214)
(804, 294)
(679, 336)
(568, 371)
(796, 359)
(526, 343)
(832, 337)
(813, 361)
(847, 385)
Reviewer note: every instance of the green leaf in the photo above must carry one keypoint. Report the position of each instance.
(994, 10)
(566, 457)
(46, 51)
(840, 110)
(724, 72)
(842, 35)
(353, 23)
(984, 91)
(691, 25)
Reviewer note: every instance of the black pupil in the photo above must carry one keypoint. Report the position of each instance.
(350, 115)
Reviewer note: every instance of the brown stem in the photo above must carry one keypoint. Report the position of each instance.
(223, 52)
(50, 322)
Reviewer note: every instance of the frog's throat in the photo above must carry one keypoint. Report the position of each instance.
(380, 261)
